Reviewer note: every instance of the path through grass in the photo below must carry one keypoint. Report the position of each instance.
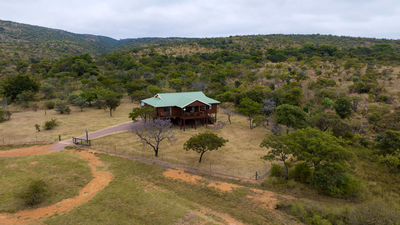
(140, 194)
(64, 173)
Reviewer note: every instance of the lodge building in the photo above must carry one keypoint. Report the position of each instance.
(184, 107)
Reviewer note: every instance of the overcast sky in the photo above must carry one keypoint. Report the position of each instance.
(121, 19)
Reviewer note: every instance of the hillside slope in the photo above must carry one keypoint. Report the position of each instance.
(23, 41)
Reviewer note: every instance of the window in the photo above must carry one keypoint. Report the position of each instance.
(167, 111)
(208, 107)
(190, 109)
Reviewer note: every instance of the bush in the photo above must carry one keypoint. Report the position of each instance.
(35, 193)
(4, 115)
(383, 98)
(277, 171)
(49, 104)
(100, 104)
(34, 106)
(37, 126)
(338, 185)
(301, 172)
(50, 124)
(72, 97)
(374, 212)
(61, 106)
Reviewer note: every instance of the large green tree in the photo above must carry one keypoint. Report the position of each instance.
(145, 113)
(291, 116)
(343, 107)
(278, 150)
(293, 96)
(249, 108)
(80, 102)
(203, 142)
(319, 149)
(13, 86)
(111, 100)
(389, 150)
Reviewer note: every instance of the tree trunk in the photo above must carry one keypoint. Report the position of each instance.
(81, 109)
(156, 153)
(110, 112)
(229, 118)
(201, 156)
(287, 172)
(313, 179)
(251, 127)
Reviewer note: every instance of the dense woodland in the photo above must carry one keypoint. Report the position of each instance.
(331, 102)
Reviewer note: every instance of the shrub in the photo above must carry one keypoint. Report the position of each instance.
(34, 106)
(49, 104)
(50, 124)
(67, 110)
(338, 185)
(374, 212)
(72, 97)
(301, 172)
(4, 115)
(37, 126)
(100, 104)
(383, 98)
(35, 193)
(61, 106)
(277, 171)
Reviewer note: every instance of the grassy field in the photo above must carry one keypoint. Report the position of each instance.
(9, 147)
(21, 127)
(240, 156)
(140, 194)
(64, 173)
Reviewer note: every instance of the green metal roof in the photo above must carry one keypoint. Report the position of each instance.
(178, 99)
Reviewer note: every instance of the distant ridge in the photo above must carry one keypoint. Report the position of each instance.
(30, 41)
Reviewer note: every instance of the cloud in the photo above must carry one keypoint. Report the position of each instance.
(209, 18)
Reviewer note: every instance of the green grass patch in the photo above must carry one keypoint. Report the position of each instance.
(64, 174)
(140, 194)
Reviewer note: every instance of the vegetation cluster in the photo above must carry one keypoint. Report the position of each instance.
(329, 105)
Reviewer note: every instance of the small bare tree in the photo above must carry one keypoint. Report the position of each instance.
(153, 132)
(267, 108)
(228, 110)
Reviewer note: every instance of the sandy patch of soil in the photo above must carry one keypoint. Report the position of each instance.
(179, 174)
(11, 165)
(209, 217)
(34, 150)
(101, 179)
(264, 199)
(33, 163)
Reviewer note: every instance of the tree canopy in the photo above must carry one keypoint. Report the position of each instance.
(203, 142)
(249, 108)
(13, 86)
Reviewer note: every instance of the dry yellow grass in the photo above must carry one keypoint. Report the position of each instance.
(240, 156)
(21, 127)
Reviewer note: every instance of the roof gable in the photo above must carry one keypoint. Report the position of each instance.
(178, 99)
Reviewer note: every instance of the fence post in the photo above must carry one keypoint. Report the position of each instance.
(256, 175)
(59, 137)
